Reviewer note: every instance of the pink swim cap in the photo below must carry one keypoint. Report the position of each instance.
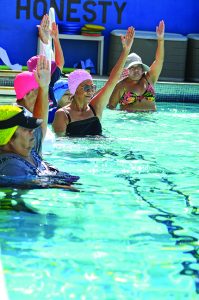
(32, 64)
(76, 78)
(24, 83)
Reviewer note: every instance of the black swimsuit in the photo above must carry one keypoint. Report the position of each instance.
(90, 126)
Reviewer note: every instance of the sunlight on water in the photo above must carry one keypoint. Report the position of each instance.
(132, 230)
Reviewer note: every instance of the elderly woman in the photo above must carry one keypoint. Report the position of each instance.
(136, 91)
(18, 159)
(82, 116)
(31, 90)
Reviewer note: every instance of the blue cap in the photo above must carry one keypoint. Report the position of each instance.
(60, 87)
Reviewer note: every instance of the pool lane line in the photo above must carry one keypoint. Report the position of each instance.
(166, 219)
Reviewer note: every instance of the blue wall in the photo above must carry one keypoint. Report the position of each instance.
(18, 32)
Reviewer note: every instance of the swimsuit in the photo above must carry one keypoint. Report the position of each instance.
(18, 169)
(54, 77)
(90, 126)
(131, 97)
(52, 101)
(38, 139)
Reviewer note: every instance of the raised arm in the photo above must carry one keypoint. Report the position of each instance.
(42, 76)
(44, 30)
(115, 97)
(157, 65)
(100, 101)
(45, 33)
(59, 57)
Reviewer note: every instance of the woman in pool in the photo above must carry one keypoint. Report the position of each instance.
(32, 93)
(136, 92)
(82, 116)
(18, 158)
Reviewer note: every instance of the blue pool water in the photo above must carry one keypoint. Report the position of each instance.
(130, 233)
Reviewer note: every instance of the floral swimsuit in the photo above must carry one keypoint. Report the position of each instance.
(131, 97)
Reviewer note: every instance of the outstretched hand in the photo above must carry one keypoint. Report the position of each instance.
(44, 30)
(127, 40)
(42, 73)
(54, 32)
(160, 30)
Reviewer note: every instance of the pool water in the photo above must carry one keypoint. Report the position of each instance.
(132, 232)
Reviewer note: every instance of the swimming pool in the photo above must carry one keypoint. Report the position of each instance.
(132, 230)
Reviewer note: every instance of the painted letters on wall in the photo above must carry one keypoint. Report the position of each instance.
(72, 10)
(18, 31)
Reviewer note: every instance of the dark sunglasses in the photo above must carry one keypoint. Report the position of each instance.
(88, 88)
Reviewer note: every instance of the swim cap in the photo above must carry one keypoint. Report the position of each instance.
(24, 83)
(59, 89)
(134, 59)
(32, 64)
(11, 117)
(76, 78)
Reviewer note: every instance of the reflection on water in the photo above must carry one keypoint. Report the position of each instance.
(132, 230)
(10, 199)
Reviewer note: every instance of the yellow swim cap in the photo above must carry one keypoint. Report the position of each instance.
(7, 112)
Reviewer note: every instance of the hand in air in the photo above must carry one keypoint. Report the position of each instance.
(54, 32)
(160, 30)
(42, 73)
(127, 40)
(44, 30)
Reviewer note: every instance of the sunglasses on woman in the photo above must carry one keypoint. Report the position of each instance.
(89, 88)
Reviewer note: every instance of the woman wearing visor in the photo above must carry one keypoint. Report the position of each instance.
(82, 116)
(19, 162)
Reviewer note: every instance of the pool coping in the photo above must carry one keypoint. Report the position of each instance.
(166, 91)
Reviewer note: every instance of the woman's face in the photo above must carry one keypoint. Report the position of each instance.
(86, 89)
(30, 99)
(22, 142)
(135, 72)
